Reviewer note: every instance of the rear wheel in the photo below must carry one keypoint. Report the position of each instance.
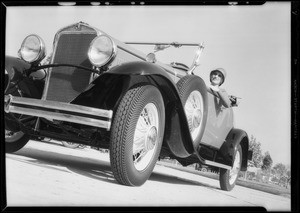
(228, 177)
(137, 134)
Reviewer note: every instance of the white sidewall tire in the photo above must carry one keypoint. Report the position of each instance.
(123, 133)
(228, 177)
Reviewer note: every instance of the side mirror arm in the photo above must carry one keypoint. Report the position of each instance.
(196, 61)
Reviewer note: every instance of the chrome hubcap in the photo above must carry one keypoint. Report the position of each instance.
(145, 137)
(194, 112)
(197, 117)
(151, 138)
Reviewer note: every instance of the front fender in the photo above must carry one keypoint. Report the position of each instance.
(15, 67)
(226, 153)
(138, 68)
(177, 135)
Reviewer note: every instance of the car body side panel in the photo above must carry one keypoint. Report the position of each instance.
(219, 122)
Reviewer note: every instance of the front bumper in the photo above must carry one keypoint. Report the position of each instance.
(59, 111)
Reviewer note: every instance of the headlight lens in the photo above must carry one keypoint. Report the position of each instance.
(32, 49)
(102, 50)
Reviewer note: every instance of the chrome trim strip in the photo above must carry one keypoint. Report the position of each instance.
(212, 163)
(64, 116)
(61, 117)
(61, 106)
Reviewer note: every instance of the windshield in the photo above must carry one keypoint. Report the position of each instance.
(172, 53)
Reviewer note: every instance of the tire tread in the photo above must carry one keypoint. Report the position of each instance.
(117, 157)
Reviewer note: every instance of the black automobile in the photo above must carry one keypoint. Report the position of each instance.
(98, 91)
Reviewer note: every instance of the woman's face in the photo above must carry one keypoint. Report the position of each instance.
(216, 78)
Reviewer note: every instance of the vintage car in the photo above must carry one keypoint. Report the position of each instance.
(98, 91)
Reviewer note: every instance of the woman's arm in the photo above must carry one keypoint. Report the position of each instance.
(222, 95)
(224, 98)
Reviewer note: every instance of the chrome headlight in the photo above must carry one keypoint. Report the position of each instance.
(32, 49)
(102, 50)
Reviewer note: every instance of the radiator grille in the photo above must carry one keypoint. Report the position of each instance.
(65, 83)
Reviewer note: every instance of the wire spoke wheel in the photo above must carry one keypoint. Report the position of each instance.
(233, 173)
(193, 94)
(228, 177)
(145, 137)
(194, 112)
(136, 135)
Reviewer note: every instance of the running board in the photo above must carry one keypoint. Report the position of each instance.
(212, 163)
(60, 111)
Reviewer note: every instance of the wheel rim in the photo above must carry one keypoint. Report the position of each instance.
(233, 174)
(11, 137)
(146, 137)
(194, 112)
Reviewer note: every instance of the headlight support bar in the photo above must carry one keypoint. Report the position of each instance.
(33, 69)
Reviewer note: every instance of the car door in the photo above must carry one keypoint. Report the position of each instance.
(219, 122)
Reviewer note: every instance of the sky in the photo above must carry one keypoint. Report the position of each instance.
(252, 43)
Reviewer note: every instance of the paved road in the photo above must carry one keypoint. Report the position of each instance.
(48, 174)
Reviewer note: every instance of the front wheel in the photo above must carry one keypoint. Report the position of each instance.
(137, 134)
(228, 177)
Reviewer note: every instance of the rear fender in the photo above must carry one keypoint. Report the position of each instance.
(226, 153)
(115, 82)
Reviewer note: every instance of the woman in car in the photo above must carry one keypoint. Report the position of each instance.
(217, 78)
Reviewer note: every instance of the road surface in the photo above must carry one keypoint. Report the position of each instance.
(48, 174)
